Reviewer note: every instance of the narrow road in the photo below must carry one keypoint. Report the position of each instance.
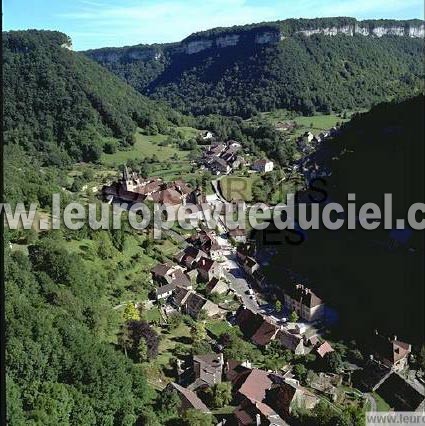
(215, 185)
(236, 276)
(372, 401)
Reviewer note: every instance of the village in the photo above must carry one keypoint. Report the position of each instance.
(213, 213)
(215, 283)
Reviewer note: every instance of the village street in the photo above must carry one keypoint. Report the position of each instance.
(234, 273)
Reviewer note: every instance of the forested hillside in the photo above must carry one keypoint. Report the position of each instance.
(374, 279)
(59, 105)
(59, 368)
(63, 364)
(243, 70)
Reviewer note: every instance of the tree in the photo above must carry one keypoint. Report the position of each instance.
(274, 349)
(194, 417)
(333, 362)
(356, 356)
(323, 413)
(237, 348)
(110, 147)
(201, 348)
(167, 404)
(202, 315)
(131, 312)
(142, 351)
(54, 402)
(278, 305)
(124, 340)
(132, 332)
(300, 372)
(105, 248)
(198, 332)
(293, 317)
(175, 320)
(220, 394)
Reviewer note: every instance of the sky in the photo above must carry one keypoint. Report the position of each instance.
(100, 23)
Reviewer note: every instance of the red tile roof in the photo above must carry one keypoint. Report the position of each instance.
(392, 350)
(235, 372)
(167, 196)
(265, 333)
(191, 398)
(323, 349)
(248, 321)
(290, 340)
(255, 385)
(179, 278)
(262, 162)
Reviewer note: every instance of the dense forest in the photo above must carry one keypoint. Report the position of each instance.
(59, 105)
(59, 368)
(298, 72)
(374, 279)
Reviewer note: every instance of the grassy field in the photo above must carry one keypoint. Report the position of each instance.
(132, 265)
(217, 327)
(318, 122)
(145, 147)
(381, 404)
(280, 193)
(315, 123)
(158, 371)
(172, 163)
(148, 145)
(236, 188)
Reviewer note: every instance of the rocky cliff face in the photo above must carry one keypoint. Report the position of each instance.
(111, 55)
(67, 45)
(270, 37)
(379, 31)
(262, 35)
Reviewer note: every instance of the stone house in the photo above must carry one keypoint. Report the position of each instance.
(263, 165)
(208, 269)
(291, 339)
(304, 302)
(216, 286)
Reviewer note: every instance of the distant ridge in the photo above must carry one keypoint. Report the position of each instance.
(306, 65)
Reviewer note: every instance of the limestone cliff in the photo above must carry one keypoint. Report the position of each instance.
(263, 34)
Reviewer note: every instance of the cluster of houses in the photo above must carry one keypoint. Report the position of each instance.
(245, 256)
(266, 397)
(309, 142)
(222, 157)
(383, 374)
(262, 397)
(262, 330)
(132, 188)
(195, 263)
(313, 164)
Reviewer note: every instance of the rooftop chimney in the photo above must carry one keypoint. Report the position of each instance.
(258, 419)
